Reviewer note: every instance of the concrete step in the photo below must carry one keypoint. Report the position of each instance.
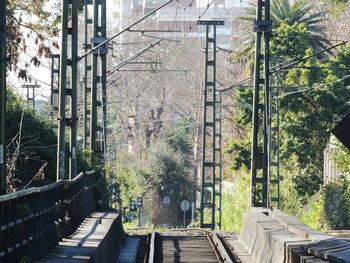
(87, 243)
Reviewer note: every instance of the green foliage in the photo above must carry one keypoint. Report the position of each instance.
(38, 140)
(290, 41)
(25, 259)
(314, 95)
(315, 216)
(342, 159)
(164, 170)
(297, 186)
(38, 143)
(330, 208)
(84, 159)
(240, 151)
(290, 13)
(308, 116)
(179, 137)
(162, 173)
(340, 1)
(235, 202)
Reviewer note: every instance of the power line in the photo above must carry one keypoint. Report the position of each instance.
(307, 58)
(124, 30)
(208, 5)
(310, 38)
(292, 63)
(126, 61)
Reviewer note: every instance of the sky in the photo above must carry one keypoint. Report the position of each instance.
(42, 74)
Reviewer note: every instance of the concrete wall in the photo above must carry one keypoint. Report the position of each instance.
(112, 242)
(274, 237)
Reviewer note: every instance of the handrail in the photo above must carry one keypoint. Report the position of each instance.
(15, 195)
(29, 216)
(28, 191)
(152, 248)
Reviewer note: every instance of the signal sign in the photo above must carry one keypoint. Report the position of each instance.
(139, 202)
(133, 205)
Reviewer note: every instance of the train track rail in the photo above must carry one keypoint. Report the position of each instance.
(201, 246)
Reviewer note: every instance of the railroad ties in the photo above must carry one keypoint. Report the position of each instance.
(187, 246)
(267, 237)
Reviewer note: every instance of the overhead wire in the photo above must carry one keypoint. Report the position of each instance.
(286, 64)
(206, 9)
(311, 38)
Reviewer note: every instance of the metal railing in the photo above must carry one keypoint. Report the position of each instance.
(32, 221)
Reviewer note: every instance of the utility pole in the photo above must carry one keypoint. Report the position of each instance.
(98, 101)
(31, 94)
(2, 96)
(210, 161)
(68, 88)
(260, 163)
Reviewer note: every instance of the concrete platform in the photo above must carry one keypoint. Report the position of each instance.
(97, 239)
(275, 237)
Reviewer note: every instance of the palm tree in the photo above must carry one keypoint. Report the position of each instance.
(290, 12)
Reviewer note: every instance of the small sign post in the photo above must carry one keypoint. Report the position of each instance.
(139, 206)
(132, 208)
(185, 205)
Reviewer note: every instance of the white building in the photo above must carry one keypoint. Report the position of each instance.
(182, 15)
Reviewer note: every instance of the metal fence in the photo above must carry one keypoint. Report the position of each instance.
(32, 221)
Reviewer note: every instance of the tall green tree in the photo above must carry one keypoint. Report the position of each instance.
(290, 12)
(165, 168)
(314, 96)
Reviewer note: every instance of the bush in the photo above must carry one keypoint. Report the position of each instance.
(38, 144)
(236, 201)
(162, 173)
(329, 209)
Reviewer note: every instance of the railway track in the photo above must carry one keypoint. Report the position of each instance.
(201, 246)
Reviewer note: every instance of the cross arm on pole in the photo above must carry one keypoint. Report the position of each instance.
(128, 28)
(126, 61)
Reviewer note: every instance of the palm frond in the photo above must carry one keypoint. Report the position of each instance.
(290, 12)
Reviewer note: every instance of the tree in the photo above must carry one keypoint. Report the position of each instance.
(31, 142)
(314, 95)
(163, 172)
(31, 146)
(30, 23)
(290, 12)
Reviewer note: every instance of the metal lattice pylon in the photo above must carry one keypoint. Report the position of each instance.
(68, 90)
(210, 181)
(97, 140)
(261, 154)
